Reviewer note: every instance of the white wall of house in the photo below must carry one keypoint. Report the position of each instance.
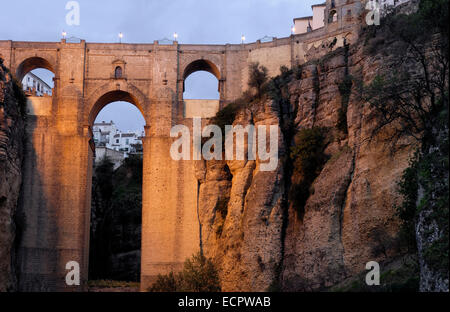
(107, 135)
(318, 16)
(33, 84)
(301, 24)
(104, 133)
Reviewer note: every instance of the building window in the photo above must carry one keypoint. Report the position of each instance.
(333, 17)
(118, 72)
(127, 141)
(117, 140)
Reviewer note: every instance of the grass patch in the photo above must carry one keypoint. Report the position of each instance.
(112, 284)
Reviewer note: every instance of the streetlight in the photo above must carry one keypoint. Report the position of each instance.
(175, 36)
(293, 30)
(242, 39)
(120, 37)
(64, 34)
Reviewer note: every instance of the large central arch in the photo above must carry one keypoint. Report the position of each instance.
(115, 91)
(113, 96)
(99, 100)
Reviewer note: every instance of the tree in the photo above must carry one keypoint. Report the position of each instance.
(258, 78)
(411, 98)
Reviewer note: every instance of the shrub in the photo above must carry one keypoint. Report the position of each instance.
(408, 188)
(227, 115)
(199, 275)
(309, 158)
(166, 283)
(258, 77)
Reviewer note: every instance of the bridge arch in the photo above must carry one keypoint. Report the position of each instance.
(200, 99)
(32, 63)
(201, 65)
(113, 93)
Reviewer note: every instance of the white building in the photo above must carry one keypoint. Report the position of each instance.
(104, 132)
(33, 85)
(310, 23)
(338, 12)
(129, 143)
(107, 135)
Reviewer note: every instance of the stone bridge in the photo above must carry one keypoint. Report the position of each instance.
(56, 199)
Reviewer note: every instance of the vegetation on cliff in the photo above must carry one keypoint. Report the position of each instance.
(309, 158)
(413, 102)
(404, 105)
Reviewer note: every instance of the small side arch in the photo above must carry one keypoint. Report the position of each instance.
(333, 16)
(201, 65)
(32, 63)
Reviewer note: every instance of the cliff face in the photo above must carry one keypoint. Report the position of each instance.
(252, 229)
(350, 218)
(11, 154)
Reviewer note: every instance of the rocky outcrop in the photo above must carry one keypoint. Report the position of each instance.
(240, 210)
(249, 226)
(11, 155)
(350, 217)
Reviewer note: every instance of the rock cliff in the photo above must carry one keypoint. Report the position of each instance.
(12, 103)
(249, 224)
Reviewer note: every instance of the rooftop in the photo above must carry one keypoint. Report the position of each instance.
(303, 18)
(319, 5)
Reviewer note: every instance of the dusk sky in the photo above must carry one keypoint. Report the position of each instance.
(143, 21)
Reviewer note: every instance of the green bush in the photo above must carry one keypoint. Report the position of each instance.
(199, 275)
(258, 78)
(227, 115)
(309, 158)
(407, 211)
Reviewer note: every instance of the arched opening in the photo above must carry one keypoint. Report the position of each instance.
(37, 77)
(201, 89)
(31, 64)
(332, 17)
(117, 124)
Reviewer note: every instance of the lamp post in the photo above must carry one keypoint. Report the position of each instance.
(64, 34)
(175, 36)
(242, 39)
(292, 30)
(120, 37)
